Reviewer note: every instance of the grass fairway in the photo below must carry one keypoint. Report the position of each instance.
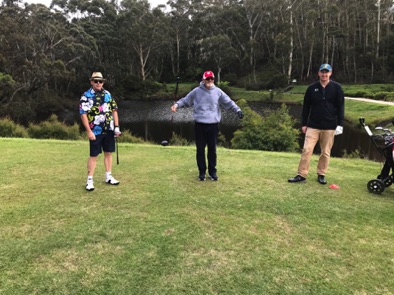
(163, 232)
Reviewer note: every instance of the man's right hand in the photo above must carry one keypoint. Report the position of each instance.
(174, 107)
(91, 135)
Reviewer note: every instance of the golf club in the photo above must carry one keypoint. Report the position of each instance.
(117, 151)
(165, 142)
(176, 92)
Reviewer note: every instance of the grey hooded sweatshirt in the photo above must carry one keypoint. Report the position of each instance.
(206, 103)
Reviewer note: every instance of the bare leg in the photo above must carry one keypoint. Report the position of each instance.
(108, 161)
(91, 165)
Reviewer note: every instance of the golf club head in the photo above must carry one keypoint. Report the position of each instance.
(164, 143)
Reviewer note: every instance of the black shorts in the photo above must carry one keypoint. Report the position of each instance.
(103, 142)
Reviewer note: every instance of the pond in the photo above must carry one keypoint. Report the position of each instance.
(154, 121)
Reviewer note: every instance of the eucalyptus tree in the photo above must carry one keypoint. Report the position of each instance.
(42, 56)
(180, 23)
(142, 32)
(256, 14)
(216, 50)
(97, 19)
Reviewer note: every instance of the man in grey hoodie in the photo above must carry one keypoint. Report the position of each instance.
(206, 100)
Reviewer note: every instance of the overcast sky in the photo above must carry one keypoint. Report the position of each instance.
(153, 3)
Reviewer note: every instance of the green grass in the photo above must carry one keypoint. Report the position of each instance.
(374, 113)
(163, 232)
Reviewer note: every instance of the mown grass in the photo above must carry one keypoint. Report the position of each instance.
(163, 232)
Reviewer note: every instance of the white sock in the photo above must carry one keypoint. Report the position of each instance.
(90, 178)
(107, 174)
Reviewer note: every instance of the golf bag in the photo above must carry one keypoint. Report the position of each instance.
(384, 142)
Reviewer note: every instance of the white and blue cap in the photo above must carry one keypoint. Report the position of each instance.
(325, 67)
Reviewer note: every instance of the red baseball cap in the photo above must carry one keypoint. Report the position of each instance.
(208, 74)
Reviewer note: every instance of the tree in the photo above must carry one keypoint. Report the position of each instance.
(217, 50)
(142, 33)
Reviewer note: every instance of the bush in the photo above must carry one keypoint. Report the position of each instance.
(178, 140)
(225, 87)
(255, 86)
(149, 87)
(381, 95)
(278, 81)
(358, 93)
(9, 128)
(390, 97)
(127, 136)
(54, 129)
(222, 141)
(273, 132)
(232, 79)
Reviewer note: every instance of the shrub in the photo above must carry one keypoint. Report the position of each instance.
(225, 86)
(232, 79)
(390, 97)
(9, 128)
(178, 140)
(255, 86)
(54, 129)
(149, 87)
(222, 141)
(278, 81)
(127, 136)
(273, 132)
(381, 95)
(356, 154)
(358, 93)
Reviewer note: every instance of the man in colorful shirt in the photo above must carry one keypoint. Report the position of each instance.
(99, 115)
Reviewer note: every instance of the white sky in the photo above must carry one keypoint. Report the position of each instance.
(153, 3)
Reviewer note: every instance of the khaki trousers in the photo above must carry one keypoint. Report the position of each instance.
(312, 136)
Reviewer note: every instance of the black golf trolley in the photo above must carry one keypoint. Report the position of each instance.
(384, 142)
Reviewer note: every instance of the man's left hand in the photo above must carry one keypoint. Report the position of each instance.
(117, 132)
(338, 130)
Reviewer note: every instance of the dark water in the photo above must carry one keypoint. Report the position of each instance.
(154, 121)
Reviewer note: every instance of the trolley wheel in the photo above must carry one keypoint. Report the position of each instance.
(388, 180)
(375, 186)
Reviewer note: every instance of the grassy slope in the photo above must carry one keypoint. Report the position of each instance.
(163, 232)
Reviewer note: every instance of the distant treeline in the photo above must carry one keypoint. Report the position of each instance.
(47, 54)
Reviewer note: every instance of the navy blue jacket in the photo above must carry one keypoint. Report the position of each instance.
(323, 108)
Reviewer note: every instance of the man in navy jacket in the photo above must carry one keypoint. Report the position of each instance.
(322, 119)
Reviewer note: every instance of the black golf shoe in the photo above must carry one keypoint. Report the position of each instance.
(213, 176)
(297, 178)
(201, 176)
(321, 179)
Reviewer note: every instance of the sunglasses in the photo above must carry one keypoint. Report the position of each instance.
(209, 79)
(98, 81)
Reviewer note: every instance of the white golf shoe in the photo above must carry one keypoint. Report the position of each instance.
(89, 185)
(112, 181)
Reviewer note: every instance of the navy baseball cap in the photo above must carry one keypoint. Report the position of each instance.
(325, 67)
